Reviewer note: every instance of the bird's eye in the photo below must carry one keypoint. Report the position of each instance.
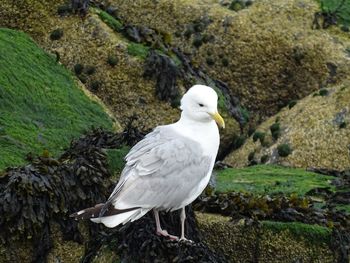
(200, 105)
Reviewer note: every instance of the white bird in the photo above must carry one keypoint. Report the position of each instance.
(169, 168)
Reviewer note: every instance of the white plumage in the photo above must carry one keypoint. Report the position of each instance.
(169, 168)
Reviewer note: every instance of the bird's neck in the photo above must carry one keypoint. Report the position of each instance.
(205, 133)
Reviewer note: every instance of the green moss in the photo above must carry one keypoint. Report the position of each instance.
(115, 158)
(138, 50)
(40, 105)
(259, 136)
(270, 179)
(236, 5)
(175, 59)
(112, 22)
(342, 7)
(284, 150)
(222, 102)
(313, 233)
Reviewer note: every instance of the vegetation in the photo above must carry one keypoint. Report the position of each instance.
(56, 34)
(340, 9)
(314, 233)
(115, 159)
(270, 179)
(284, 150)
(342, 125)
(138, 50)
(238, 141)
(323, 92)
(112, 60)
(41, 108)
(259, 136)
(275, 130)
(112, 22)
(264, 158)
(245, 114)
(292, 103)
(225, 62)
(78, 69)
(90, 70)
(210, 61)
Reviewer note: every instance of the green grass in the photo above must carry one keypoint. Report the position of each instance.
(40, 105)
(313, 233)
(343, 14)
(138, 50)
(112, 22)
(270, 179)
(116, 159)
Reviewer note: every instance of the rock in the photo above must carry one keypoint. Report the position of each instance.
(273, 54)
(271, 243)
(313, 129)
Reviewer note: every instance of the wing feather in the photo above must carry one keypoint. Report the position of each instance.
(161, 171)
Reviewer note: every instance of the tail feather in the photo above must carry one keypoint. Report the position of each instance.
(88, 213)
(111, 216)
(112, 221)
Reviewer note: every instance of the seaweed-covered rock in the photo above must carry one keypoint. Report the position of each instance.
(273, 53)
(35, 197)
(311, 128)
(125, 90)
(269, 242)
(138, 242)
(164, 70)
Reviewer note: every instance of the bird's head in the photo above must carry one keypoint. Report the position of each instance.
(200, 104)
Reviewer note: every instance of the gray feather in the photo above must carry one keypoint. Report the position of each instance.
(161, 172)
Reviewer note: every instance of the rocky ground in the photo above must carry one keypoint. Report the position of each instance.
(281, 72)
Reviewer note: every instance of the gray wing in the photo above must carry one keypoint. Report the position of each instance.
(161, 171)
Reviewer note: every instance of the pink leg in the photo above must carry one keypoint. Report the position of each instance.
(183, 217)
(159, 230)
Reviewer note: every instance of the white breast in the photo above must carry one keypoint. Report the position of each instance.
(207, 135)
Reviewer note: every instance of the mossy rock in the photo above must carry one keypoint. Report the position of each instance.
(295, 57)
(270, 180)
(90, 42)
(312, 128)
(42, 107)
(271, 243)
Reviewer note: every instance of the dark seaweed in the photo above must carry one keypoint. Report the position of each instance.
(163, 69)
(139, 243)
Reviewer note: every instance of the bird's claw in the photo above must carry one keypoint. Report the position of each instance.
(165, 233)
(183, 239)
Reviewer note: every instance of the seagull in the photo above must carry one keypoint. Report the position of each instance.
(168, 169)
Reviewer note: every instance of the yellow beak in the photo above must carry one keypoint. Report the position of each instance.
(219, 120)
